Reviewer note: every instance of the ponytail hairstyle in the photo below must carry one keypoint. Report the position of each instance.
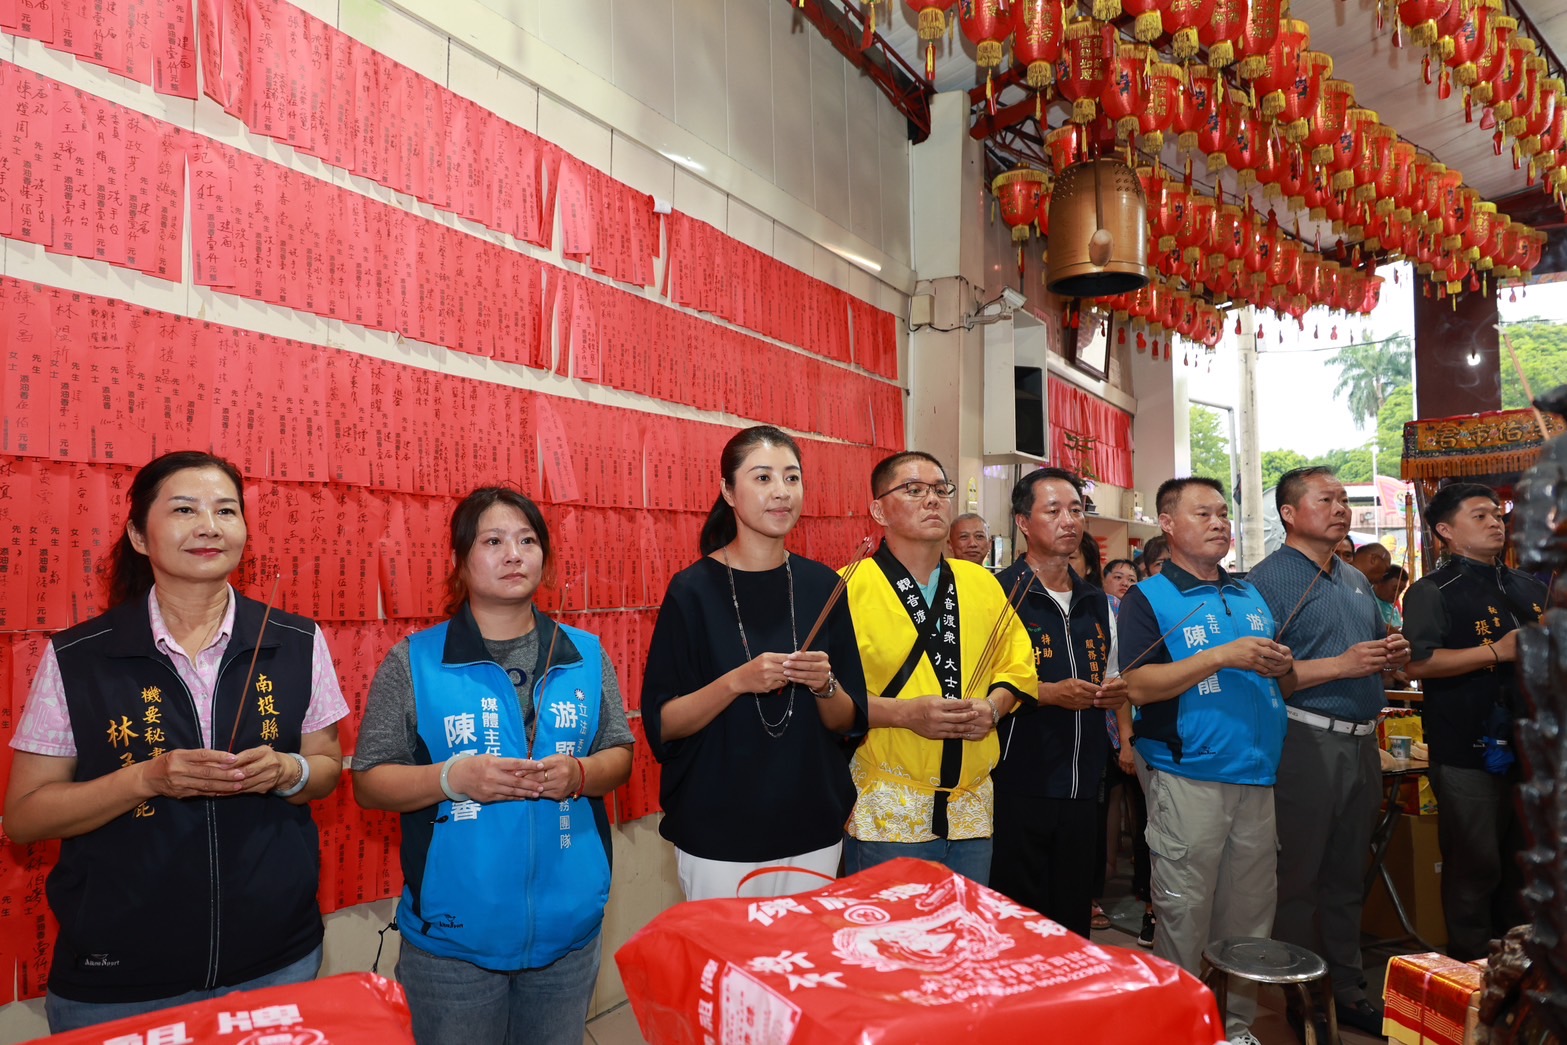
(130, 572)
(465, 530)
(721, 526)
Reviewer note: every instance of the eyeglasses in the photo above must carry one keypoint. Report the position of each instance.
(918, 491)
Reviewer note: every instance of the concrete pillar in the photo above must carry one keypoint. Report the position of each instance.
(1457, 357)
(1248, 451)
(1161, 428)
(946, 367)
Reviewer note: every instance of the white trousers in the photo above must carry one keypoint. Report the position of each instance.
(720, 879)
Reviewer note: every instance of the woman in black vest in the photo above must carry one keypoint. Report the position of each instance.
(745, 723)
(178, 781)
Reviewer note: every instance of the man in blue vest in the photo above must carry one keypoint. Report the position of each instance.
(1330, 777)
(1053, 753)
(1209, 683)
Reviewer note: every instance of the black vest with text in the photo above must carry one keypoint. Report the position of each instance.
(182, 894)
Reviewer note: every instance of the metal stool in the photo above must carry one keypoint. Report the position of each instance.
(1270, 961)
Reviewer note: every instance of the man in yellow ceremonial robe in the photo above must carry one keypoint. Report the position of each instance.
(945, 658)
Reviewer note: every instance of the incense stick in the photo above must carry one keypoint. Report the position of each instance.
(1512, 353)
(991, 649)
(838, 589)
(1157, 642)
(1279, 635)
(250, 673)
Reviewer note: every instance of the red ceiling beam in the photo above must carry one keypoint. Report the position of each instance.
(908, 92)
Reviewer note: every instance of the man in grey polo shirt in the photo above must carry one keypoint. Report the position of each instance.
(1330, 778)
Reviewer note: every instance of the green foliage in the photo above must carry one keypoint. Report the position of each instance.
(1210, 445)
(1276, 462)
(1369, 371)
(1397, 408)
(1542, 352)
(1352, 466)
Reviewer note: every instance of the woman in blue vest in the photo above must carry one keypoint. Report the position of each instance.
(177, 761)
(496, 734)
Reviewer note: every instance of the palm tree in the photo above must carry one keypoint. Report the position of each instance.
(1369, 372)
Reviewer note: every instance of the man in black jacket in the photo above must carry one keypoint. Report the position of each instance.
(1462, 624)
(1054, 752)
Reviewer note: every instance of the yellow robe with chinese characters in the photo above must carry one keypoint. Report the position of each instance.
(896, 771)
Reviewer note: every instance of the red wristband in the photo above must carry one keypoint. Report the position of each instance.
(582, 776)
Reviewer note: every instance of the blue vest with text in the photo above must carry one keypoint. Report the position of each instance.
(1230, 726)
(504, 885)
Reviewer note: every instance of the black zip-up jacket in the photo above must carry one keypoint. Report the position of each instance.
(182, 894)
(1047, 751)
(1465, 604)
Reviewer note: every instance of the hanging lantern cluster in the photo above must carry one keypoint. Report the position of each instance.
(1473, 44)
(1264, 105)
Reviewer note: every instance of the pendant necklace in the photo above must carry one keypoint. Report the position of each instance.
(774, 729)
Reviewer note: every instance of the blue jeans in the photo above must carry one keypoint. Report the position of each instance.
(64, 1014)
(969, 857)
(457, 1003)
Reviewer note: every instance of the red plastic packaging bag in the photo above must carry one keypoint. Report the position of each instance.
(904, 952)
(353, 1009)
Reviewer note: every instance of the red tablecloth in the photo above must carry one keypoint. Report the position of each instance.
(352, 1009)
(903, 952)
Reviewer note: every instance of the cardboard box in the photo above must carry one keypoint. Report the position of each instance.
(1432, 999)
(1415, 862)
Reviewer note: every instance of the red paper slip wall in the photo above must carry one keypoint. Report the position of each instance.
(149, 41)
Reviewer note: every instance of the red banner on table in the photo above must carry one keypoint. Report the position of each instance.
(904, 952)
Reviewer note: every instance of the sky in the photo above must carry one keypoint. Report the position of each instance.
(1295, 378)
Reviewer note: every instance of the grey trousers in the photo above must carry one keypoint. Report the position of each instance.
(1215, 862)
(1480, 838)
(1326, 801)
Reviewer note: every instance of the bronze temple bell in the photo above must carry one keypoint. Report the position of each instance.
(1098, 231)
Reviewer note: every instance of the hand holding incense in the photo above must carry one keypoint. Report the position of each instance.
(838, 589)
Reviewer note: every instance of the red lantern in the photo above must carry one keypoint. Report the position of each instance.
(1378, 168)
(1420, 16)
(1038, 31)
(987, 24)
(1145, 15)
(1302, 94)
(1219, 32)
(1284, 264)
(1065, 145)
(1329, 119)
(1391, 180)
(1475, 231)
(1373, 295)
(932, 24)
(1282, 66)
(1497, 53)
(1085, 70)
(1180, 20)
(1020, 193)
(1350, 146)
(1257, 38)
(1200, 125)
(1464, 48)
(1196, 228)
(1124, 96)
(1241, 137)
(1294, 177)
(1409, 200)
(1509, 79)
(1265, 239)
(1166, 96)
(1537, 119)
(1171, 215)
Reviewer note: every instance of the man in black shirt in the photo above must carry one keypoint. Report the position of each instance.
(1053, 753)
(1462, 624)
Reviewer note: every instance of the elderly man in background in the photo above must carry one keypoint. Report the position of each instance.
(969, 538)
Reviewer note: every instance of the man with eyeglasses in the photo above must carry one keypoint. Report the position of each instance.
(945, 659)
